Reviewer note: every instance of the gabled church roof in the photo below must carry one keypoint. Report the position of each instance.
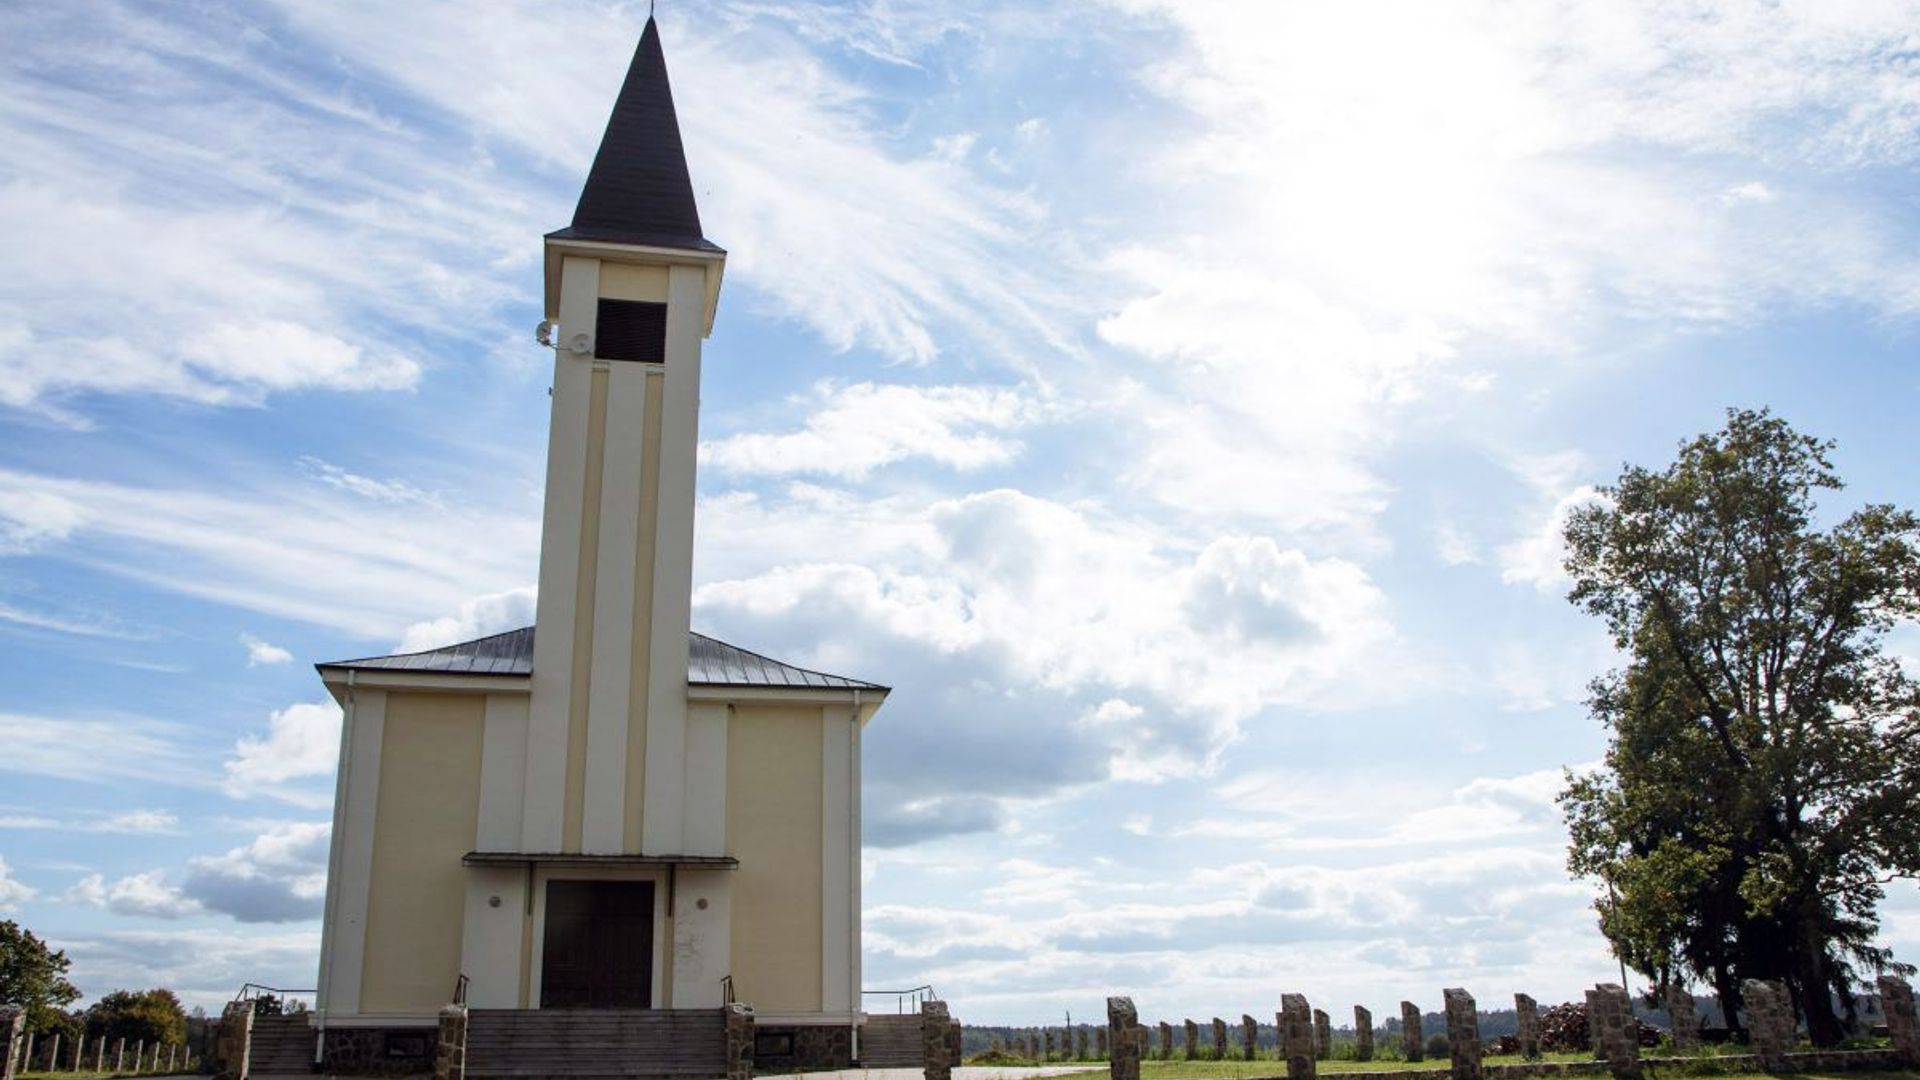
(710, 662)
(639, 190)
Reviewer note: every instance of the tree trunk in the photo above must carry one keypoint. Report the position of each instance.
(1723, 985)
(1816, 1001)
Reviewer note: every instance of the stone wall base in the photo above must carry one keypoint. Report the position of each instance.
(378, 1051)
(784, 1047)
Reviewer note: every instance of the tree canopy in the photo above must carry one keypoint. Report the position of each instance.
(154, 1016)
(33, 977)
(1761, 786)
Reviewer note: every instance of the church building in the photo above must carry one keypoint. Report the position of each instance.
(604, 810)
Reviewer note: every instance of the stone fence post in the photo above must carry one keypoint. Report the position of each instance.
(1526, 1012)
(1411, 1042)
(100, 1052)
(1362, 1034)
(1322, 1035)
(1296, 1036)
(1166, 1041)
(1686, 1022)
(1770, 1021)
(1219, 1039)
(1463, 1033)
(1594, 1008)
(26, 1054)
(234, 1046)
(1122, 1020)
(933, 1040)
(1193, 1040)
(450, 1047)
(1619, 1031)
(1896, 1001)
(53, 1053)
(120, 1053)
(79, 1052)
(1249, 1037)
(11, 1021)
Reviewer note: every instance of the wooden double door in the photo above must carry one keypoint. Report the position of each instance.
(598, 946)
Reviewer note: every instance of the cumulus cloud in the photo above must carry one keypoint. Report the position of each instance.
(13, 891)
(852, 430)
(301, 744)
(478, 617)
(144, 895)
(1539, 558)
(280, 876)
(261, 652)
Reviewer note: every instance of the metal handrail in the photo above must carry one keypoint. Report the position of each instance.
(918, 995)
(249, 991)
(460, 989)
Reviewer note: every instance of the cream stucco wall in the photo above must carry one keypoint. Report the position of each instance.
(428, 810)
(774, 828)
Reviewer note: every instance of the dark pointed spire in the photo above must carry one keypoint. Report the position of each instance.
(638, 191)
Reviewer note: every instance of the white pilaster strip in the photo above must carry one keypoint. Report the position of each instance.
(603, 822)
(662, 822)
(855, 873)
(706, 829)
(347, 934)
(836, 857)
(503, 773)
(546, 786)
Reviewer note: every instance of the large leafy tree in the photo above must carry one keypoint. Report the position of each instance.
(33, 977)
(1761, 787)
(154, 1016)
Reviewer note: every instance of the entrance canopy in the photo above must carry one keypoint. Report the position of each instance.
(574, 859)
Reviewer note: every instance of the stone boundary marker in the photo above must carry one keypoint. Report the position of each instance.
(1526, 1013)
(1613, 1034)
(1123, 1021)
(1296, 1036)
(1219, 1039)
(1193, 1040)
(933, 1040)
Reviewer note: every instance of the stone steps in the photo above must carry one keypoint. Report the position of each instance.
(891, 1042)
(281, 1044)
(666, 1044)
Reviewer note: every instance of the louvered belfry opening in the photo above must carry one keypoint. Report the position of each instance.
(631, 330)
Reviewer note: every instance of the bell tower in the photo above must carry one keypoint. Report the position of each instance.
(631, 289)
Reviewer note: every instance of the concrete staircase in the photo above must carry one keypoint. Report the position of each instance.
(281, 1044)
(601, 1044)
(891, 1041)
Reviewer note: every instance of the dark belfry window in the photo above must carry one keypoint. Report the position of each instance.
(631, 330)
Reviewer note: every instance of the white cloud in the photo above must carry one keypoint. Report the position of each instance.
(1539, 557)
(855, 429)
(478, 617)
(1069, 600)
(202, 965)
(89, 891)
(280, 876)
(386, 491)
(302, 743)
(279, 551)
(261, 652)
(100, 749)
(147, 894)
(13, 892)
(138, 821)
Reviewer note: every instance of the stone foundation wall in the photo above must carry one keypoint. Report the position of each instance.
(811, 1046)
(375, 1051)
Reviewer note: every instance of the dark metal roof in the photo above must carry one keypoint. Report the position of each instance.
(639, 190)
(710, 662)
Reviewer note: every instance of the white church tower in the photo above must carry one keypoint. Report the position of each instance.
(606, 810)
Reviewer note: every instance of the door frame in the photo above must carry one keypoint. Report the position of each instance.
(662, 928)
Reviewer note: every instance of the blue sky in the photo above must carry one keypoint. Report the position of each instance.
(1175, 401)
